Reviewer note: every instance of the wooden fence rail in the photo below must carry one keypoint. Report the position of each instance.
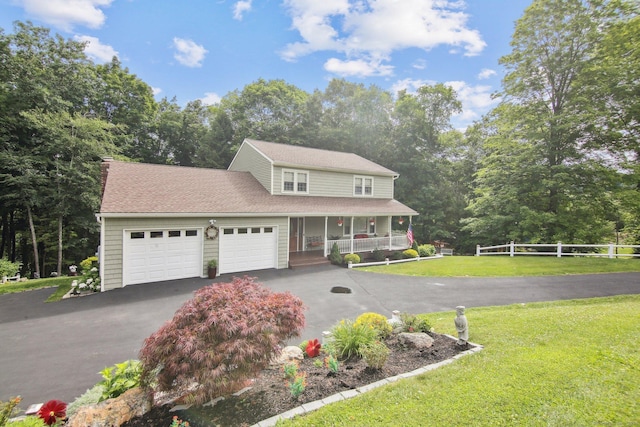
(554, 249)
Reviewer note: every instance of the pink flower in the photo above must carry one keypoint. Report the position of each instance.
(52, 411)
(313, 348)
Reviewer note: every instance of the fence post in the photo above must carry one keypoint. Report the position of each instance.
(512, 248)
(559, 249)
(477, 250)
(610, 250)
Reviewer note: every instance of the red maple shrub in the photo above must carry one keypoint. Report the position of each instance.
(225, 335)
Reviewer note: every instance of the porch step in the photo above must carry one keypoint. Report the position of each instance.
(307, 261)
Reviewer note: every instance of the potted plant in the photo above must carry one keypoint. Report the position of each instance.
(212, 268)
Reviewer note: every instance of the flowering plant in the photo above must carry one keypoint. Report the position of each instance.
(90, 280)
(313, 348)
(53, 411)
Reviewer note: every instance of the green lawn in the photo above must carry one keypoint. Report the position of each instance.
(493, 266)
(63, 283)
(567, 363)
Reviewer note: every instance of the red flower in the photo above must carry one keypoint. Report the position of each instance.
(52, 411)
(313, 348)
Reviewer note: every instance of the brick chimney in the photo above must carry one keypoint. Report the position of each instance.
(104, 171)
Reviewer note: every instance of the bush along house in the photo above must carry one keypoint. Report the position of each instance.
(275, 202)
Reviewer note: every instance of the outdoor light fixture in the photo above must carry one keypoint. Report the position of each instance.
(212, 221)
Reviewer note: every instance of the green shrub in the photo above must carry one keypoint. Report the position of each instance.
(88, 264)
(377, 322)
(410, 253)
(426, 250)
(375, 354)
(348, 338)
(414, 245)
(303, 347)
(413, 323)
(90, 397)
(8, 409)
(396, 255)
(353, 258)
(334, 255)
(31, 421)
(8, 268)
(378, 255)
(120, 378)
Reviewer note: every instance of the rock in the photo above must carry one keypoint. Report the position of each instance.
(113, 412)
(287, 354)
(418, 340)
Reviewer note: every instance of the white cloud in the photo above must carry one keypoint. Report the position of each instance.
(358, 68)
(188, 52)
(64, 14)
(476, 99)
(485, 73)
(420, 64)
(210, 98)
(97, 51)
(372, 30)
(156, 91)
(240, 8)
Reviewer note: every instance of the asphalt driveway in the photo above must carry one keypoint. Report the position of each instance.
(55, 350)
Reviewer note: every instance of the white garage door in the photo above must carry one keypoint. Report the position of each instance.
(156, 255)
(247, 248)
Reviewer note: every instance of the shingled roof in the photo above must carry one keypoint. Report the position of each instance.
(297, 156)
(139, 189)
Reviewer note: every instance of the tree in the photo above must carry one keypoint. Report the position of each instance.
(48, 74)
(421, 121)
(268, 110)
(539, 181)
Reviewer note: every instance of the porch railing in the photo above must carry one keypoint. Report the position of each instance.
(397, 241)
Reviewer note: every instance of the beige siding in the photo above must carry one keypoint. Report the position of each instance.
(249, 160)
(335, 184)
(114, 229)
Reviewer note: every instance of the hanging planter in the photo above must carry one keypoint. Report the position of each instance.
(372, 221)
(340, 222)
(401, 221)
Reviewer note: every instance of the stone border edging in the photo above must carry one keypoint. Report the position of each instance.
(348, 394)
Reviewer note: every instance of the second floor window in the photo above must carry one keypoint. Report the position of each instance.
(295, 181)
(363, 186)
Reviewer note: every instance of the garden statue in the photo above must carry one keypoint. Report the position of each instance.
(462, 326)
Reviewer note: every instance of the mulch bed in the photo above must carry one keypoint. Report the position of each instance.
(270, 393)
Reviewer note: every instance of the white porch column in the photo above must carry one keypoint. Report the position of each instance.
(390, 232)
(351, 240)
(326, 223)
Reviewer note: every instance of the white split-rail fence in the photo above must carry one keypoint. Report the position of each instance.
(556, 249)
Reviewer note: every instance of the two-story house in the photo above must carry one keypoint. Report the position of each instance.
(162, 222)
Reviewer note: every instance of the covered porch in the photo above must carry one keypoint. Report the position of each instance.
(352, 234)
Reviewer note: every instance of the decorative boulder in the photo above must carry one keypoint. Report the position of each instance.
(418, 340)
(287, 354)
(113, 412)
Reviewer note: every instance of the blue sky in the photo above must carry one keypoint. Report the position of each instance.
(203, 49)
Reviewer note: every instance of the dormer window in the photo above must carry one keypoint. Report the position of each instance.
(294, 181)
(363, 186)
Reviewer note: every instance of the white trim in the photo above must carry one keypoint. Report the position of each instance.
(101, 259)
(249, 214)
(363, 178)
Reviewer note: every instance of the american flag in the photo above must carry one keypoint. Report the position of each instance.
(410, 234)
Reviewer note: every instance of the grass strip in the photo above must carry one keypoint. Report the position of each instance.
(63, 283)
(544, 364)
(503, 266)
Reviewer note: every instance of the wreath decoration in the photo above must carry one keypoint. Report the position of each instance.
(211, 232)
